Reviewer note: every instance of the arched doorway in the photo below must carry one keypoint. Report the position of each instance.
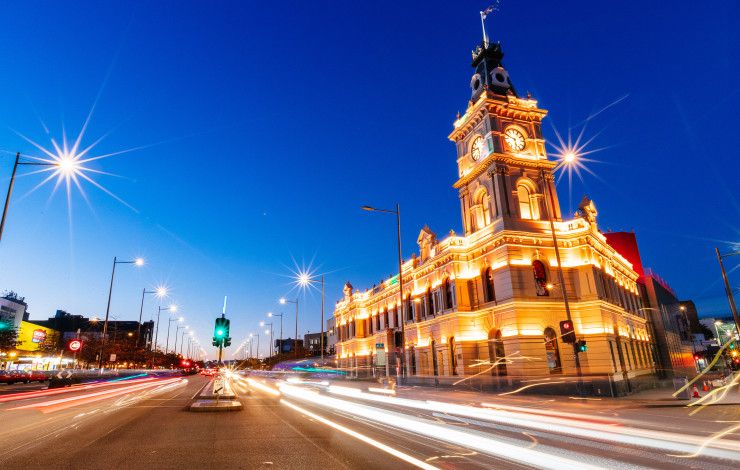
(453, 356)
(412, 360)
(496, 352)
(433, 351)
(551, 351)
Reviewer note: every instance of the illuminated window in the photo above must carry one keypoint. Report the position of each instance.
(489, 294)
(528, 205)
(540, 278)
(453, 357)
(481, 209)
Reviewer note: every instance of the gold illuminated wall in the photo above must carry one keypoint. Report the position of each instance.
(503, 191)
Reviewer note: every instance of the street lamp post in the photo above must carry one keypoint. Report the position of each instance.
(137, 262)
(397, 212)
(160, 292)
(177, 331)
(160, 309)
(280, 350)
(728, 290)
(182, 337)
(272, 343)
(295, 340)
(304, 280)
(549, 206)
(68, 166)
(169, 325)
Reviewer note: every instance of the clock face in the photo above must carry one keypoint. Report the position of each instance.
(514, 139)
(477, 149)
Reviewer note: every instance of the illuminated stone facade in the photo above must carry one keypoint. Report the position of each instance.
(491, 295)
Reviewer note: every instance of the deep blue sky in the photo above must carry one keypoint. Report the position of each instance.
(266, 125)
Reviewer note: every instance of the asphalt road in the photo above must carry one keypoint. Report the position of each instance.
(144, 423)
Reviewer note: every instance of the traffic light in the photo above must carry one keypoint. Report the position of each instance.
(567, 333)
(221, 332)
(581, 346)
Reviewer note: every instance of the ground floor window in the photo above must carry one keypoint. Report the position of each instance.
(551, 351)
(453, 357)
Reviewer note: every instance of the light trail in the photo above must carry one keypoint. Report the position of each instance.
(574, 426)
(51, 405)
(472, 440)
(367, 440)
(57, 391)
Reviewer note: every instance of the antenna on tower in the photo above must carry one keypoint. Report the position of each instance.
(483, 16)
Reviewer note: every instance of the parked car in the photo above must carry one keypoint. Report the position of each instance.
(36, 376)
(13, 376)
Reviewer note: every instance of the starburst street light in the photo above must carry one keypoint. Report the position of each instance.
(305, 279)
(64, 168)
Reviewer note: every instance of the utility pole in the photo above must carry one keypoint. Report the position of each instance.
(728, 290)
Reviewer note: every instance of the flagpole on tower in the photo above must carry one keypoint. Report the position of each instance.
(483, 15)
(483, 26)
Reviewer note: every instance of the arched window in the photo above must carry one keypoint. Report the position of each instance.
(430, 303)
(528, 205)
(412, 360)
(433, 352)
(551, 351)
(540, 278)
(453, 357)
(481, 209)
(489, 294)
(496, 353)
(446, 294)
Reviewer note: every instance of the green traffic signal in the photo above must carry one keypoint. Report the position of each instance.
(581, 346)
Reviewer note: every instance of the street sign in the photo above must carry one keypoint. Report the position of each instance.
(74, 345)
(112, 358)
(380, 357)
(64, 374)
(379, 346)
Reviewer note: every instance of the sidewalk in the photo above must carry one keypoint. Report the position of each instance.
(663, 397)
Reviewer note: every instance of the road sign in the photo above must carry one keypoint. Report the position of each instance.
(379, 346)
(380, 357)
(74, 345)
(64, 374)
(112, 358)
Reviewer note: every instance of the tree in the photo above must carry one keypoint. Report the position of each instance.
(8, 334)
(708, 333)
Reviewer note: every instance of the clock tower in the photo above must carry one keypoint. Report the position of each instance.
(501, 158)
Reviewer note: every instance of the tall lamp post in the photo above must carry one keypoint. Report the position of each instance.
(272, 343)
(66, 167)
(284, 301)
(304, 280)
(568, 159)
(397, 213)
(169, 325)
(182, 337)
(280, 350)
(160, 292)
(728, 290)
(160, 309)
(137, 262)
